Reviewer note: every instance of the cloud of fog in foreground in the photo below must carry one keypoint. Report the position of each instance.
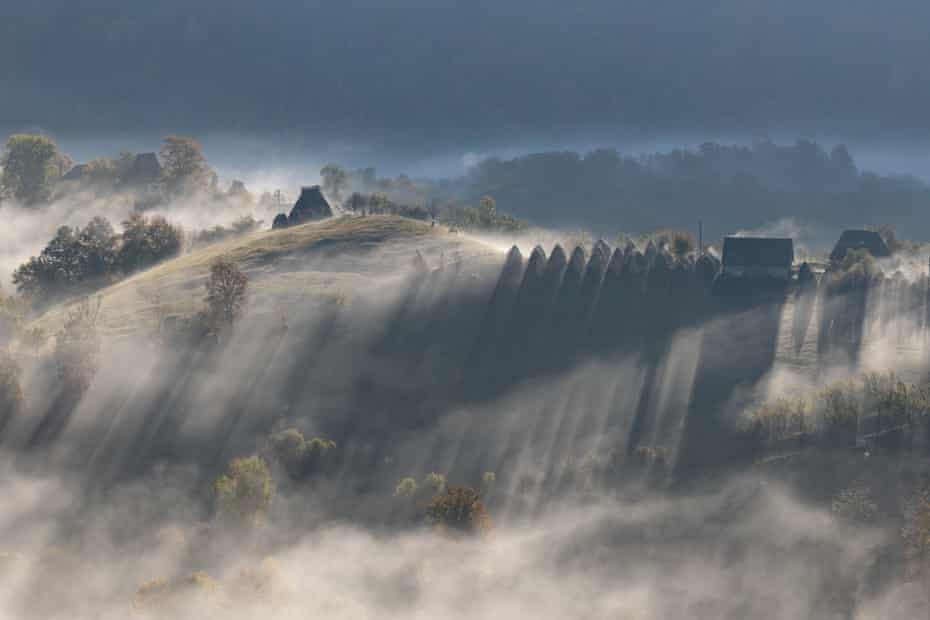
(748, 550)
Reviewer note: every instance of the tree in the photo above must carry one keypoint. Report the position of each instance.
(238, 191)
(29, 167)
(244, 493)
(227, 288)
(299, 456)
(72, 257)
(406, 487)
(185, 167)
(357, 203)
(96, 249)
(147, 241)
(459, 509)
(487, 211)
(335, 180)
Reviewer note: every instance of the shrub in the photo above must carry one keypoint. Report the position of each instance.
(242, 226)
(172, 597)
(779, 419)
(434, 483)
(459, 509)
(488, 480)
(840, 408)
(407, 487)
(244, 493)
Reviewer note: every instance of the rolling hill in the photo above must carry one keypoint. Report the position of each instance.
(310, 263)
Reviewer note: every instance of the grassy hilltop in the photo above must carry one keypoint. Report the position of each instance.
(304, 264)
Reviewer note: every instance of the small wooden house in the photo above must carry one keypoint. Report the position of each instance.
(868, 240)
(754, 257)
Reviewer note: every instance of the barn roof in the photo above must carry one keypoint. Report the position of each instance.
(757, 252)
(860, 240)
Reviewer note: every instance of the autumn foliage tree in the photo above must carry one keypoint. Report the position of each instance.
(185, 167)
(227, 288)
(29, 167)
(302, 457)
(459, 509)
(244, 493)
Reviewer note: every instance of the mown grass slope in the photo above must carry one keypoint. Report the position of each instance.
(307, 263)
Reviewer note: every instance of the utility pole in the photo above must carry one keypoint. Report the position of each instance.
(700, 238)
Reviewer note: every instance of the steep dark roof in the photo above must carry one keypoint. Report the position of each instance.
(311, 205)
(75, 173)
(860, 240)
(757, 252)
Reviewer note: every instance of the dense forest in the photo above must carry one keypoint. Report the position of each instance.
(729, 187)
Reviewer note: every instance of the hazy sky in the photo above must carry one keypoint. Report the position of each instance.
(449, 72)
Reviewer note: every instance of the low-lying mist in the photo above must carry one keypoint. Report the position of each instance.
(744, 549)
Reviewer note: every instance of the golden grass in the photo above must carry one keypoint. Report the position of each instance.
(274, 262)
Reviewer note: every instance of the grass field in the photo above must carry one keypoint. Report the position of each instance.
(303, 264)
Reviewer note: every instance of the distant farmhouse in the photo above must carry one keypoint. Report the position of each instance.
(754, 257)
(145, 169)
(860, 240)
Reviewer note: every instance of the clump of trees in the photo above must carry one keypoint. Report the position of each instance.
(242, 226)
(80, 258)
(485, 217)
(459, 510)
(833, 415)
(243, 495)
(302, 457)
